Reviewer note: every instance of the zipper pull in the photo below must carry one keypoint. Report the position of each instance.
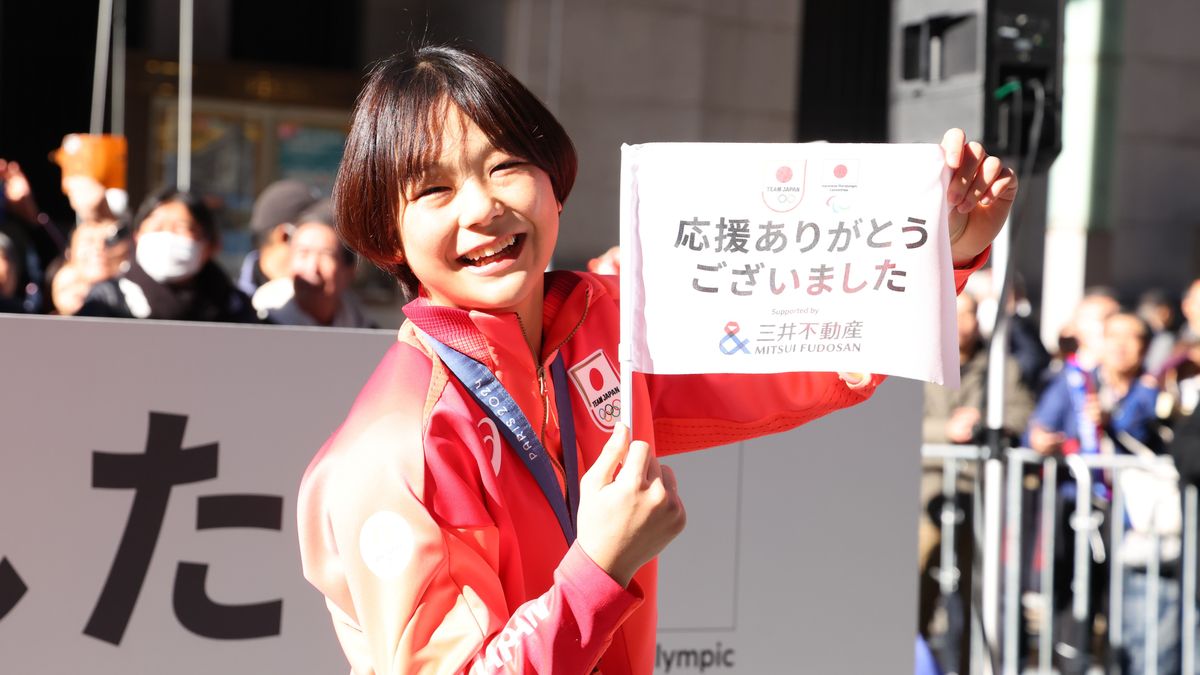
(541, 371)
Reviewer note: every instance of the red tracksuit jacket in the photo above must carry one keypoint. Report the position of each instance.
(434, 546)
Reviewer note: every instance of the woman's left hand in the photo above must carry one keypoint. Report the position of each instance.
(981, 196)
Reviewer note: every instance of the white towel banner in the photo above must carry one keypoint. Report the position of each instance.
(764, 258)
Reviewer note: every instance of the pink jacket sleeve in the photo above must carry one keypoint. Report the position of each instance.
(411, 594)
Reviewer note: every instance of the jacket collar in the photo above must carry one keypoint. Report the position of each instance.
(497, 340)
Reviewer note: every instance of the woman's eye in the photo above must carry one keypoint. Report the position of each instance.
(510, 164)
(429, 190)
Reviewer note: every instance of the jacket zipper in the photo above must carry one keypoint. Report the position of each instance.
(541, 376)
(541, 373)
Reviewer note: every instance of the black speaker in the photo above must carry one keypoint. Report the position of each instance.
(993, 67)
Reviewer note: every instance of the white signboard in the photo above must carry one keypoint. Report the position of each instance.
(761, 258)
(147, 504)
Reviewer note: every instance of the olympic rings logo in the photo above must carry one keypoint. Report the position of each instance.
(609, 411)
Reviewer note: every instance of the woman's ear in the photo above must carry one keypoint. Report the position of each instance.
(397, 257)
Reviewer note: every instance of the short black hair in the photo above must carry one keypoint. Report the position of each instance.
(396, 134)
(192, 201)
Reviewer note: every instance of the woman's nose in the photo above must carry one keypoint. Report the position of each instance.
(477, 205)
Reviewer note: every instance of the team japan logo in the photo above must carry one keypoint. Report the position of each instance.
(600, 386)
(783, 184)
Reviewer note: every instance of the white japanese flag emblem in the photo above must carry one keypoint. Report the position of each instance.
(600, 386)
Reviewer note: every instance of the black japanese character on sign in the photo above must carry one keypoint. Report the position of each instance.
(688, 233)
(876, 229)
(706, 268)
(916, 227)
(165, 464)
(12, 587)
(801, 229)
(733, 236)
(772, 239)
(750, 272)
(887, 270)
(193, 607)
(840, 232)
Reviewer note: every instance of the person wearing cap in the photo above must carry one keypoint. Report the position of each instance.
(318, 291)
(173, 274)
(272, 221)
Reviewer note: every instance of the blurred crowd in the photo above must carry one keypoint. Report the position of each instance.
(1124, 379)
(160, 261)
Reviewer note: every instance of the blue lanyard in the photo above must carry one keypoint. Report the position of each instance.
(499, 405)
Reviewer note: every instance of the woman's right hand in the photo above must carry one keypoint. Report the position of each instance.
(627, 516)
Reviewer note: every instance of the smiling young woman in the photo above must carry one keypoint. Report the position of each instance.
(446, 520)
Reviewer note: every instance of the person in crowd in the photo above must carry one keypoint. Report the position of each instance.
(1190, 307)
(35, 240)
(1104, 408)
(1185, 450)
(99, 250)
(424, 530)
(173, 274)
(1179, 374)
(1158, 311)
(273, 220)
(1024, 342)
(68, 288)
(1082, 407)
(10, 262)
(608, 262)
(95, 244)
(318, 291)
(1080, 340)
(1125, 411)
(1180, 380)
(18, 196)
(958, 416)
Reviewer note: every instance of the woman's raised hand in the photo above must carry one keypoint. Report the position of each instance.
(629, 507)
(981, 194)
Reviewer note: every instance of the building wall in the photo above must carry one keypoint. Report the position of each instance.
(618, 72)
(1150, 235)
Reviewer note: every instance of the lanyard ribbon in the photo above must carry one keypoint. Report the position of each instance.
(499, 405)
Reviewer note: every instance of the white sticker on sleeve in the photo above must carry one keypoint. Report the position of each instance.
(386, 544)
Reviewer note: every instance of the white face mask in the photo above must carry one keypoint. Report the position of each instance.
(168, 257)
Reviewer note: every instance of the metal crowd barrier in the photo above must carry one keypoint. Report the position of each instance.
(995, 618)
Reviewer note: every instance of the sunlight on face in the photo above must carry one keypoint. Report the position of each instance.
(478, 229)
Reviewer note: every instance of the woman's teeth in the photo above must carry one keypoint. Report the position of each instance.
(495, 249)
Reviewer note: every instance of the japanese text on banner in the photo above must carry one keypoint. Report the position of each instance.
(831, 258)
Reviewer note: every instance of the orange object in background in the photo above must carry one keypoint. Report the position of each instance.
(99, 156)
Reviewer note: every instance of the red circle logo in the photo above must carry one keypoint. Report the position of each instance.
(596, 378)
(840, 171)
(783, 174)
